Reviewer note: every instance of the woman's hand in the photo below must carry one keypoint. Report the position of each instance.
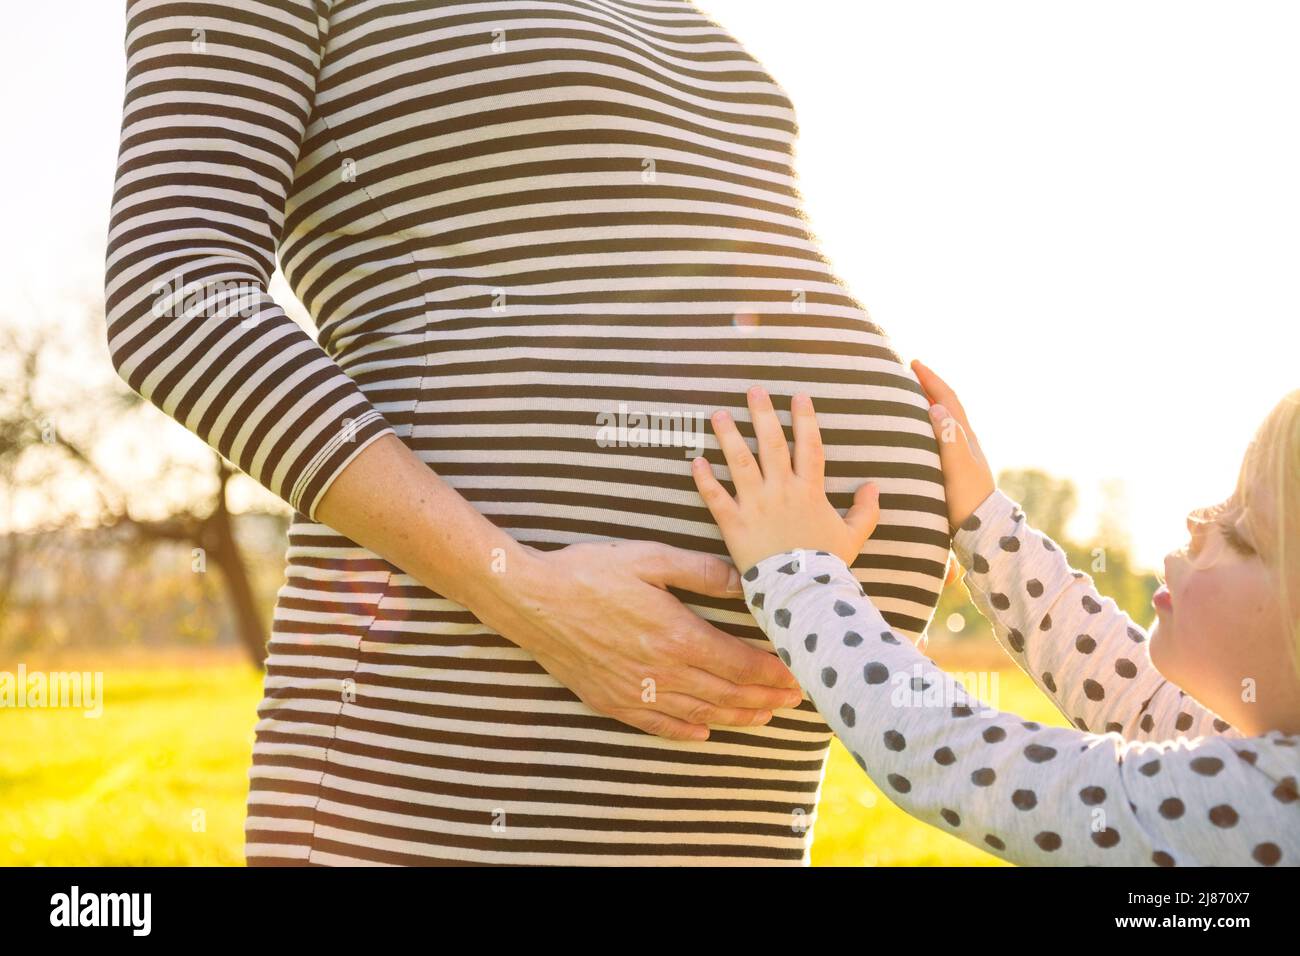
(599, 618)
(781, 504)
(967, 477)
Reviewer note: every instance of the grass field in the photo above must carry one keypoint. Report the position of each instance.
(161, 777)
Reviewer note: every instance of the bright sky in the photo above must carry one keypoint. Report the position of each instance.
(1084, 215)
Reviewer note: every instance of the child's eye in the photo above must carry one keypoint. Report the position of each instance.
(1235, 540)
(1197, 526)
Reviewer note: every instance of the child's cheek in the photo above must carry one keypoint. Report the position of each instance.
(1203, 611)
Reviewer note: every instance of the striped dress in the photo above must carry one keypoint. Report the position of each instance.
(542, 241)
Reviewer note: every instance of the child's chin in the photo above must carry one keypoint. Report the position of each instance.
(1158, 641)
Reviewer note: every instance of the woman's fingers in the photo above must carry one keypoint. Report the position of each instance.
(612, 625)
(700, 684)
(702, 645)
(773, 452)
(718, 653)
(692, 710)
(745, 474)
(660, 724)
(665, 566)
(864, 515)
(809, 454)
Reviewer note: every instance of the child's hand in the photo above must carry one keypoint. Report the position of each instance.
(780, 507)
(967, 478)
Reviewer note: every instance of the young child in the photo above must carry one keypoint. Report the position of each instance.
(1152, 775)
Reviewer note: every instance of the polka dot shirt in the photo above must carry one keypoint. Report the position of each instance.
(1147, 776)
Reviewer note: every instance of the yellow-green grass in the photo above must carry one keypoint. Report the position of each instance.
(858, 826)
(161, 778)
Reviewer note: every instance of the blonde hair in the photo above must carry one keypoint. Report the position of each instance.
(1268, 487)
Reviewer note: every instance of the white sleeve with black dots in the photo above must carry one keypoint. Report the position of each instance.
(1086, 654)
(1028, 793)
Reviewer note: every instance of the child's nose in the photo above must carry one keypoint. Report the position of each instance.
(1172, 562)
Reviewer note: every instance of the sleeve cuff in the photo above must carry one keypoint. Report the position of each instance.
(772, 578)
(996, 516)
(330, 463)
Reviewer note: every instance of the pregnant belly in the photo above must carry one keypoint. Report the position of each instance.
(561, 434)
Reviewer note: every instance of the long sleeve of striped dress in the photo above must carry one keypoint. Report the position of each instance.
(217, 101)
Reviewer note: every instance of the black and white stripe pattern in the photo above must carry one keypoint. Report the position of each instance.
(508, 218)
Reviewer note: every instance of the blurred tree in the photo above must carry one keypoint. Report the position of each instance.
(1049, 503)
(1111, 562)
(1047, 500)
(50, 461)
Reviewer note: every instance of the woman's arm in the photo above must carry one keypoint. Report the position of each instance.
(216, 105)
(1030, 794)
(597, 616)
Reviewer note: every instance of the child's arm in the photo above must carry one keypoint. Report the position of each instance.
(1030, 794)
(1079, 647)
(1088, 656)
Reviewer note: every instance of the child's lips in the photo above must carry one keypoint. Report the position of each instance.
(1162, 600)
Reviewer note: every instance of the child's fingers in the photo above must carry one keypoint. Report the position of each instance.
(773, 452)
(953, 570)
(809, 455)
(940, 393)
(720, 504)
(740, 462)
(863, 517)
(954, 443)
(926, 378)
(931, 383)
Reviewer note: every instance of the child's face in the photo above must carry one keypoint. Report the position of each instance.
(1220, 633)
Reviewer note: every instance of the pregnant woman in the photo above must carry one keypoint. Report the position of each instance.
(523, 229)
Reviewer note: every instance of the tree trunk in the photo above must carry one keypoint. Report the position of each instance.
(219, 538)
